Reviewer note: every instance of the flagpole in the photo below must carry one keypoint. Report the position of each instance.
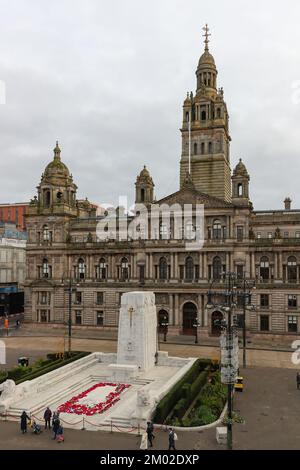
(190, 142)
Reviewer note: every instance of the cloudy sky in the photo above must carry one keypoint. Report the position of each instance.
(107, 79)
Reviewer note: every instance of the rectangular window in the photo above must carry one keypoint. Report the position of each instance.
(240, 271)
(196, 271)
(258, 235)
(181, 272)
(292, 301)
(286, 234)
(44, 316)
(44, 298)
(240, 233)
(78, 297)
(100, 298)
(100, 318)
(142, 273)
(264, 323)
(270, 235)
(264, 300)
(292, 324)
(78, 317)
(297, 234)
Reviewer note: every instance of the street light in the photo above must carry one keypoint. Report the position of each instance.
(195, 325)
(247, 286)
(227, 307)
(70, 289)
(165, 325)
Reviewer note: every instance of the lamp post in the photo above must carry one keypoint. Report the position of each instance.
(229, 351)
(69, 289)
(165, 325)
(247, 286)
(195, 325)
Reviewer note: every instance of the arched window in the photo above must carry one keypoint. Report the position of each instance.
(202, 148)
(218, 113)
(81, 268)
(240, 190)
(163, 231)
(102, 269)
(189, 231)
(209, 147)
(203, 115)
(217, 229)
(292, 269)
(264, 268)
(46, 233)
(163, 268)
(142, 195)
(195, 148)
(47, 198)
(189, 268)
(124, 269)
(45, 268)
(217, 268)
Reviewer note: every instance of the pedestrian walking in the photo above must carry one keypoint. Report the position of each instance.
(24, 418)
(47, 417)
(298, 380)
(149, 431)
(55, 425)
(172, 439)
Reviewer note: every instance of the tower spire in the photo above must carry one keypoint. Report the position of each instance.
(206, 36)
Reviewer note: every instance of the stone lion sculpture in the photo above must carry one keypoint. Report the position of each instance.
(7, 389)
(143, 398)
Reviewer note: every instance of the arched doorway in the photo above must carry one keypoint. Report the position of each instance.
(215, 328)
(163, 317)
(189, 318)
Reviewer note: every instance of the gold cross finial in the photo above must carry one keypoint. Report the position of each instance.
(206, 36)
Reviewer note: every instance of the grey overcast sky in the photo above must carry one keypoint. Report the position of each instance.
(108, 79)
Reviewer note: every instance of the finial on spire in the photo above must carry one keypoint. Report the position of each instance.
(206, 36)
(56, 150)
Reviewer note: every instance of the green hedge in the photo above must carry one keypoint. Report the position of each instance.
(181, 391)
(51, 367)
(42, 366)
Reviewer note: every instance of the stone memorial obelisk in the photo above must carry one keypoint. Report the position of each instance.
(137, 335)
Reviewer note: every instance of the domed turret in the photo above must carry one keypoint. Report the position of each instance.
(240, 184)
(206, 71)
(56, 170)
(144, 185)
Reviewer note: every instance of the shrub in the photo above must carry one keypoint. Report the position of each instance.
(180, 408)
(166, 405)
(205, 416)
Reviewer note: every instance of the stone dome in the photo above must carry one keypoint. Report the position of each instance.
(56, 168)
(145, 172)
(206, 60)
(240, 169)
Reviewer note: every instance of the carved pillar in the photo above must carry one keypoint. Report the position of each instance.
(171, 311)
(176, 310)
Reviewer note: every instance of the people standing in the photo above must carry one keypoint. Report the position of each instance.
(24, 418)
(298, 380)
(172, 439)
(149, 431)
(55, 425)
(47, 417)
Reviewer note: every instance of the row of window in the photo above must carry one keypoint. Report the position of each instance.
(271, 235)
(265, 301)
(187, 271)
(292, 323)
(45, 317)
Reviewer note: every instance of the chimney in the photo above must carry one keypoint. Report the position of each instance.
(287, 204)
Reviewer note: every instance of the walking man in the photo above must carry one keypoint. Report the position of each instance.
(55, 425)
(172, 439)
(47, 417)
(149, 431)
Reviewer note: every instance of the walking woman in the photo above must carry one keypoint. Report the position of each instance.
(24, 418)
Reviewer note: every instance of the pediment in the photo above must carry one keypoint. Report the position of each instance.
(192, 196)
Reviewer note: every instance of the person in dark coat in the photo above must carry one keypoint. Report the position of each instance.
(55, 425)
(149, 431)
(47, 417)
(24, 418)
(171, 439)
(298, 380)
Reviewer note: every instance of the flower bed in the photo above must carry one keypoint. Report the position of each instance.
(95, 400)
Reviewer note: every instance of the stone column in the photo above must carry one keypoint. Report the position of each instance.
(280, 266)
(176, 311)
(171, 311)
(205, 267)
(176, 274)
(172, 265)
(151, 266)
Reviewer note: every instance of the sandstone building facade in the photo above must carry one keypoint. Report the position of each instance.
(63, 246)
